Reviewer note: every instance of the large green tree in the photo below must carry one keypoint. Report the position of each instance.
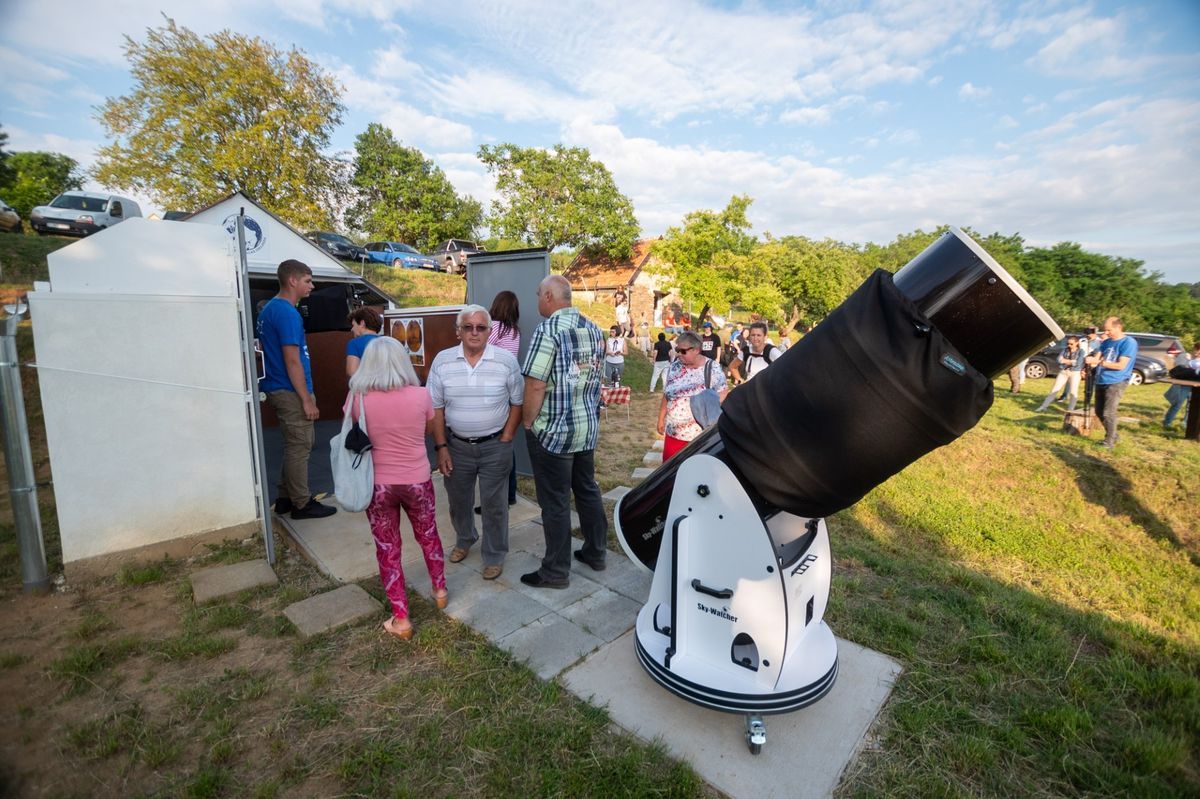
(558, 197)
(210, 116)
(702, 256)
(36, 178)
(404, 196)
(814, 276)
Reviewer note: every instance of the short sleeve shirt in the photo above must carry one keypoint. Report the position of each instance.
(358, 345)
(279, 326)
(566, 352)
(476, 399)
(1113, 350)
(683, 384)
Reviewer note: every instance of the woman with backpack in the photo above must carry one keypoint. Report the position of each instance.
(691, 375)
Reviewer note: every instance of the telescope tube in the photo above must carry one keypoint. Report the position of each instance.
(873, 388)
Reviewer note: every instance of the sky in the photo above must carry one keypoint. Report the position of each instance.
(857, 121)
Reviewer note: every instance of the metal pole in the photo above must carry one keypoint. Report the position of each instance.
(22, 490)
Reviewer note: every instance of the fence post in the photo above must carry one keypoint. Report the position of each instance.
(22, 490)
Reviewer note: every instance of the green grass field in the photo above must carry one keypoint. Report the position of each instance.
(1042, 594)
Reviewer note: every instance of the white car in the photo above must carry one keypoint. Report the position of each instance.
(81, 213)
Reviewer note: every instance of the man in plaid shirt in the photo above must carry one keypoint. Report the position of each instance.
(562, 422)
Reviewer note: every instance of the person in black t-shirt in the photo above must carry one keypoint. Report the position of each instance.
(662, 360)
(710, 342)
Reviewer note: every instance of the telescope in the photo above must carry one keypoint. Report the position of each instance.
(733, 525)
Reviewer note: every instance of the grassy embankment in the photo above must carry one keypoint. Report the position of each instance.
(1042, 594)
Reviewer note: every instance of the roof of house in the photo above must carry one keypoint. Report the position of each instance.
(600, 271)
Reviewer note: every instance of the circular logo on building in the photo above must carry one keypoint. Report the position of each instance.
(255, 237)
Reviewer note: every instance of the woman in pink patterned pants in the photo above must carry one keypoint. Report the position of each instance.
(399, 413)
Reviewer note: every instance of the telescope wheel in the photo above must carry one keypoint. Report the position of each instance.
(756, 733)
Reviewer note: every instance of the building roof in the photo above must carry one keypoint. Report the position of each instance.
(589, 272)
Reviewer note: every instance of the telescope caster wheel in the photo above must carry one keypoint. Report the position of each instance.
(756, 734)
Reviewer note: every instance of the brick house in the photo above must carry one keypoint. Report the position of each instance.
(598, 277)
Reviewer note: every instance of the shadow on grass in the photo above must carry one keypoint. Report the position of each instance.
(1006, 691)
(1103, 485)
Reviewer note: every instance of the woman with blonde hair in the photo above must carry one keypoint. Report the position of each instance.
(399, 413)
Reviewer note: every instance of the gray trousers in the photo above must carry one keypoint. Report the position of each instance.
(489, 463)
(1108, 399)
(556, 477)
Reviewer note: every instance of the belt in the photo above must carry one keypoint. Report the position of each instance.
(476, 439)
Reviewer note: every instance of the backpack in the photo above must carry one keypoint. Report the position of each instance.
(768, 355)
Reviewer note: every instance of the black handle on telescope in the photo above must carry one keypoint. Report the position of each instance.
(719, 593)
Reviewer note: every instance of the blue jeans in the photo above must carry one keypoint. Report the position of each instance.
(1177, 397)
(556, 477)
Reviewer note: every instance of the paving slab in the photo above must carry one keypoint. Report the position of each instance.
(552, 598)
(806, 751)
(549, 644)
(625, 577)
(652, 459)
(331, 609)
(504, 611)
(642, 472)
(616, 493)
(222, 581)
(605, 614)
(342, 547)
(657, 446)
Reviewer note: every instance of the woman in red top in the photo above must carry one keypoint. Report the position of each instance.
(399, 414)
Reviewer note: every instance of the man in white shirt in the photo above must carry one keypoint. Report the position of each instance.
(477, 391)
(759, 353)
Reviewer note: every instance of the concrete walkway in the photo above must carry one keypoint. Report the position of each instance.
(582, 635)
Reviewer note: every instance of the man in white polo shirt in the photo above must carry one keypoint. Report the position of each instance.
(477, 391)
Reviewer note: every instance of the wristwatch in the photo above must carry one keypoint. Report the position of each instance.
(436, 447)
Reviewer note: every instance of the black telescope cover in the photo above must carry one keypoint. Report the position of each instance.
(867, 392)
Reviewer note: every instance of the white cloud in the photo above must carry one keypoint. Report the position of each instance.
(1007, 122)
(82, 150)
(969, 91)
(818, 115)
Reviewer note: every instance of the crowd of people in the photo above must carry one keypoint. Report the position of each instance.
(1102, 362)
(478, 392)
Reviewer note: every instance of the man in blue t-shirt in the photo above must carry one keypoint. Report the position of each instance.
(1114, 366)
(288, 386)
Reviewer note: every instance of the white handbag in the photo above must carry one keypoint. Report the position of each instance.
(351, 462)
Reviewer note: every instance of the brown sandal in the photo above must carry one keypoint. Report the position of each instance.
(442, 599)
(401, 633)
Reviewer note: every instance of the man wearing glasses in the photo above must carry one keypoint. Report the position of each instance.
(477, 391)
(562, 424)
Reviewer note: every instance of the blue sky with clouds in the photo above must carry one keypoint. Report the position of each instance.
(859, 121)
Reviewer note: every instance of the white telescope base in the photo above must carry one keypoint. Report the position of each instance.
(734, 620)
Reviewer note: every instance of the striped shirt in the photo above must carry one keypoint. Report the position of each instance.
(509, 340)
(476, 399)
(565, 353)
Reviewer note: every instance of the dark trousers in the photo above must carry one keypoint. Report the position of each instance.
(556, 477)
(1108, 399)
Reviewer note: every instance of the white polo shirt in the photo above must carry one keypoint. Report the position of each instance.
(476, 399)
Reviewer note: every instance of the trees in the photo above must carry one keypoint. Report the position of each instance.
(702, 254)
(36, 178)
(559, 197)
(404, 196)
(814, 276)
(207, 117)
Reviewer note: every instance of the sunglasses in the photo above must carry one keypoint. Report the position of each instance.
(684, 350)
(473, 328)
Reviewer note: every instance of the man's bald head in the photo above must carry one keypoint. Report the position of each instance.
(554, 292)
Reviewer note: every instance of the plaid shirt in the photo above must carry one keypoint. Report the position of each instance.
(566, 353)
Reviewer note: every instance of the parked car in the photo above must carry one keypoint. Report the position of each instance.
(1045, 364)
(82, 213)
(10, 220)
(399, 255)
(452, 254)
(1159, 346)
(337, 245)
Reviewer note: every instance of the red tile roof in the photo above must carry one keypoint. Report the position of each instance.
(600, 271)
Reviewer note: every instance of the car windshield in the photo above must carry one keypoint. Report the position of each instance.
(338, 238)
(76, 202)
(399, 247)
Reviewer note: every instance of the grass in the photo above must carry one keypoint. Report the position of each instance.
(1042, 595)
